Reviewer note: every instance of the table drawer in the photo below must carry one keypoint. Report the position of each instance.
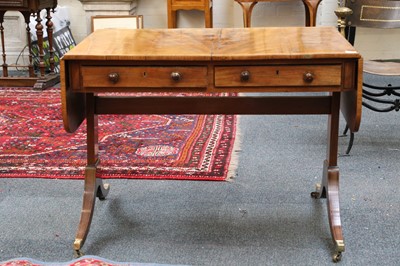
(266, 76)
(144, 77)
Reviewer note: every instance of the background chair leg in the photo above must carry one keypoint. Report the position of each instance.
(345, 131)
(350, 143)
(344, 134)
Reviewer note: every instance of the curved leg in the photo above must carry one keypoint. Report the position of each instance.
(247, 10)
(345, 131)
(311, 7)
(350, 143)
(93, 187)
(329, 187)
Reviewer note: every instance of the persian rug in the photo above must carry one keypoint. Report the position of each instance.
(33, 142)
(83, 261)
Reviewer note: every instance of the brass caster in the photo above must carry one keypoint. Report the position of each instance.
(314, 195)
(78, 253)
(77, 248)
(337, 257)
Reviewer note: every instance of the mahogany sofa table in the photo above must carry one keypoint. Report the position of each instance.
(311, 7)
(296, 59)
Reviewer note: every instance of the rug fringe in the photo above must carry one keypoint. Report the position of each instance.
(82, 261)
(234, 161)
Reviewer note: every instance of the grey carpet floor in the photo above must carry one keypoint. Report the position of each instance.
(263, 216)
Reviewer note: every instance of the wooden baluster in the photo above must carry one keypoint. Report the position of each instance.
(3, 48)
(39, 34)
(27, 16)
(49, 26)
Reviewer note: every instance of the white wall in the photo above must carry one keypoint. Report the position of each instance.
(77, 17)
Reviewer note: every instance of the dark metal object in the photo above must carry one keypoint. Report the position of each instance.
(372, 14)
(113, 77)
(176, 76)
(308, 77)
(245, 75)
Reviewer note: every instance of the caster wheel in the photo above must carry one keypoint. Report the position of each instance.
(337, 257)
(315, 195)
(78, 253)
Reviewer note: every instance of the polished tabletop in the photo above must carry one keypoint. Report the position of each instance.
(215, 44)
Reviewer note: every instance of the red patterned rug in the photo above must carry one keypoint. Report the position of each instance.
(83, 261)
(33, 142)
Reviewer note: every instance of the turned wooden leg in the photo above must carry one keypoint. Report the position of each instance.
(39, 34)
(93, 185)
(329, 187)
(49, 28)
(45, 80)
(27, 17)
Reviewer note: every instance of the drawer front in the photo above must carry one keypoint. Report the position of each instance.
(266, 76)
(144, 77)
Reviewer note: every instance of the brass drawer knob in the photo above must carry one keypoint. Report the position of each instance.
(308, 77)
(176, 76)
(113, 77)
(245, 75)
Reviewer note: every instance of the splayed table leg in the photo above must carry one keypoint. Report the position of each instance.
(329, 188)
(94, 186)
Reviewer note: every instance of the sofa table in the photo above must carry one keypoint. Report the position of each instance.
(311, 7)
(304, 60)
(28, 8)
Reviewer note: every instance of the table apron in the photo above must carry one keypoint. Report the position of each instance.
(214, 105)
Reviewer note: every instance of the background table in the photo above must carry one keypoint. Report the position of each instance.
(311, 7)
(28, 8)
(280, 60)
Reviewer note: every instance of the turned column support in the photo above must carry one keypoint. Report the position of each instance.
(342, 12)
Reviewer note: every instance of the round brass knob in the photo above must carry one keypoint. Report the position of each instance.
(308, 77)
(176, 76)
(245, 75)
(113, 77)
